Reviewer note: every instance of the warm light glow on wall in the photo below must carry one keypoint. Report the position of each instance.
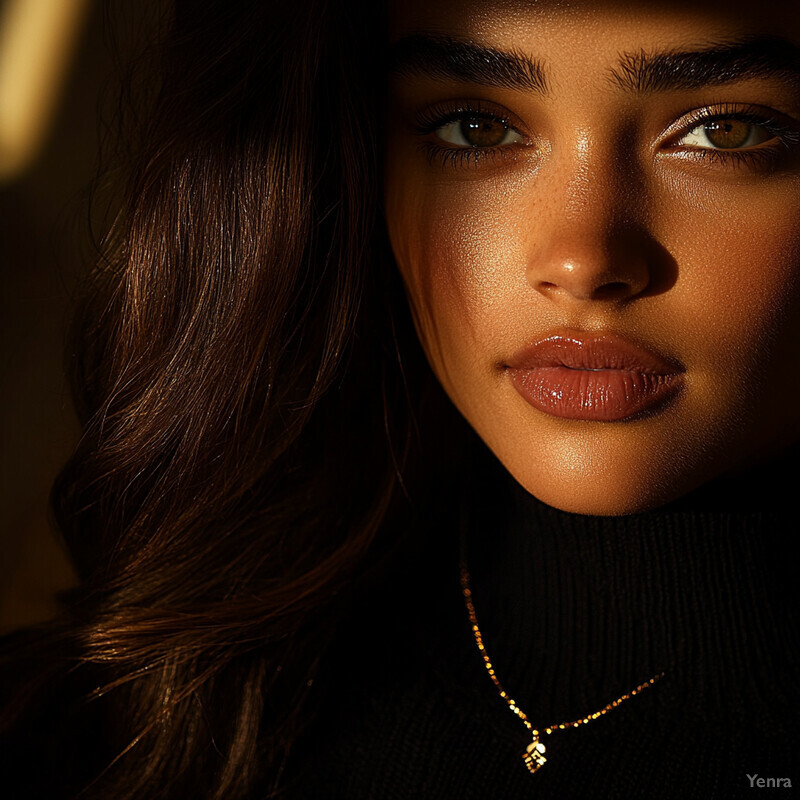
(37, 40)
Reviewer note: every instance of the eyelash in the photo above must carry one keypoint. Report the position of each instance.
(766, 155)
(784, 135)
(430, 120)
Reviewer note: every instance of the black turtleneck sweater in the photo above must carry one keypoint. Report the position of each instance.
(575, 611)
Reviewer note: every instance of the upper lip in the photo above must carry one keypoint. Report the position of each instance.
(592, 351)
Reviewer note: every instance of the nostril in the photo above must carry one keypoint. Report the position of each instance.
(611, 290)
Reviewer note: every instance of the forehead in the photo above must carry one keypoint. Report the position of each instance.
(579, 25)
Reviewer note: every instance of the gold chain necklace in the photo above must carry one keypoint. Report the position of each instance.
(534, 754)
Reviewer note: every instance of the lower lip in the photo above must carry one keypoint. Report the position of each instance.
(602, 395)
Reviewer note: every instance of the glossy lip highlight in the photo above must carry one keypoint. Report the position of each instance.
(600, 377)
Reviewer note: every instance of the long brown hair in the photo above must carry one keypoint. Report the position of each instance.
(246, 374)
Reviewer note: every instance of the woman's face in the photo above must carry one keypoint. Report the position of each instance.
(595, 208)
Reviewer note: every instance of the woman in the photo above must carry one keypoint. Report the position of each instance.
(302, 573)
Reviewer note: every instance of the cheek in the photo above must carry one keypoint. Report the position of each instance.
(736, 303)
(461, 254)
(741, 254)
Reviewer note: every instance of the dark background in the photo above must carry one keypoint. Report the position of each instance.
(46, 245)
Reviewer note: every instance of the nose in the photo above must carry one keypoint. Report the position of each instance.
(588, 247)
(586, 265)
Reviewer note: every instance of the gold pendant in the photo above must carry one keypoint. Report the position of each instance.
(534, 754)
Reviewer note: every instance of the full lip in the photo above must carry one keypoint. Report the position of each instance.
(601, 376)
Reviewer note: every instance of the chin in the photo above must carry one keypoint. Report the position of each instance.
(596, 498)
(582, 475)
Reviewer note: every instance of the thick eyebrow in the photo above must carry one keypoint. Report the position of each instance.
(456, 59)
(755, 57)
